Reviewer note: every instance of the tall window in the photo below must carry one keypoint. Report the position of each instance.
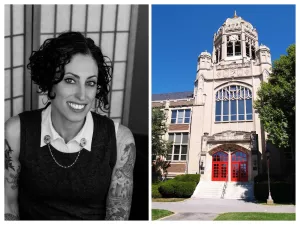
(181, 116)
(238, 48)
(179, 147)
(233, 103)
(234, 45)
(229, 49)
(247, 50)
(252, 52)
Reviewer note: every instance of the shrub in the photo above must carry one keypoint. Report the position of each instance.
(188, 178)
(184, 189)
(155, 192)
(281, 192)
(261, 178)
(177, 189)
(166, 189)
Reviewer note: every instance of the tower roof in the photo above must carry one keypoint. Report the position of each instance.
(236, 21)
(235, 24)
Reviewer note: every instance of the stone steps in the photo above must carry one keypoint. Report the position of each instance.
(214, 189)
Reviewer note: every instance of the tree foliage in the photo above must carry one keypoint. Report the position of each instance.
(276, 101)
(159, 128)
(160, 147)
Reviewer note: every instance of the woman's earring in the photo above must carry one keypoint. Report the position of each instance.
(52, 95)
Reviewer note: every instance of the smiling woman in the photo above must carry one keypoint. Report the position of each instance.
(65, 162)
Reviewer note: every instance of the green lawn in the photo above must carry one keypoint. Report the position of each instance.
(159, 213)
(168, 199)
(256, 216)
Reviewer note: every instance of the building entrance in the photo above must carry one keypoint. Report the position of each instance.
(220, 166)
(239, 166)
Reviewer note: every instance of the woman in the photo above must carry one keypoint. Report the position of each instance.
(64, 161)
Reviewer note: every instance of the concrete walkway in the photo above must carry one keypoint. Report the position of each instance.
(208, 209)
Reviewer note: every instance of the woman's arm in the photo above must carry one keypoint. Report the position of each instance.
(12, 167)
(119, 197)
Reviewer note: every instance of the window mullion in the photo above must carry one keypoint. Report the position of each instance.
(222, 106)
(233, 48)
(245, 116)
(173, 147)
(229, 110)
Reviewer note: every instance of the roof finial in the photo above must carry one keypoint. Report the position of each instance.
(235, 16)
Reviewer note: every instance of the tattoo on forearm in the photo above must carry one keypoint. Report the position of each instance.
(120, 193)
(118, 209)
(9, 216)
(14, 181)
(8, 160)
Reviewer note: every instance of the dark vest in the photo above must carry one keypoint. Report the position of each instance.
(50, 192)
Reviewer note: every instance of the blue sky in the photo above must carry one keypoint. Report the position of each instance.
(181, 32)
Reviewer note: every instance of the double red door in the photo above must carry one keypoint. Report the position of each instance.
(220, 166)
(239, 166)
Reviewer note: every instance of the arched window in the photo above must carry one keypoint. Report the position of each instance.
(233, 103)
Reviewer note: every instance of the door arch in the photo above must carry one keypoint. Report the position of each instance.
(219, 166)
(239, 166)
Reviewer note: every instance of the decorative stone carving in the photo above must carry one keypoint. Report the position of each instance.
(240, 72)
(226, 73)
(232, 72)
(219, 74)
(247, 72)
(228, 136)
(233, 27)
(233, 65)
(233, 37)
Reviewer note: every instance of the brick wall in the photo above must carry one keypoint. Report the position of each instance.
(179, 127)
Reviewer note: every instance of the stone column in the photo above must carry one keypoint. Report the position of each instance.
(243, 42)
(214, 54)
(224, 46)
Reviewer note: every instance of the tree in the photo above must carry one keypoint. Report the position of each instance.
(159, 128)
(160, 147)
(276, 101)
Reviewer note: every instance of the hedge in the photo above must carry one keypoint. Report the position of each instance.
(177, 189)
(281, 192)
(188, 178)
(155, 192)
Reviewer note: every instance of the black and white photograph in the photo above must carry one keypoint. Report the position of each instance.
(76, 112)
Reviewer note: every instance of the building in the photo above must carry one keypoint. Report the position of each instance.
(214, 129)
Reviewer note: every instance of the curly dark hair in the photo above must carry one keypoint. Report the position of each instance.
(47, 65)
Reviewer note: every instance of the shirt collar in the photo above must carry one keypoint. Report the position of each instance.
(48, 129)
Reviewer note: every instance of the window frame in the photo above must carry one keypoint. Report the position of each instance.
(183, 116)
(235, 93)
(170, 157)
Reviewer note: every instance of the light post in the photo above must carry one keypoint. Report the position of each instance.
(269, 200)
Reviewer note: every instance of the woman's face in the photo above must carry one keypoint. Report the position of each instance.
(76, 92)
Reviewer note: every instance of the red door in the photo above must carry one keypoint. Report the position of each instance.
(239, 167)
(219, 166)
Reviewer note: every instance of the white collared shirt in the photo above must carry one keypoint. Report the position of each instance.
(58, 142)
